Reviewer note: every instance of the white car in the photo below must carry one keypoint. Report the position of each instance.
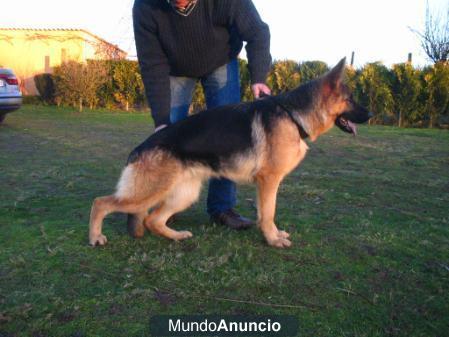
(10, 95)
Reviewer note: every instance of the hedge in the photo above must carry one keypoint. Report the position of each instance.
(402, 95)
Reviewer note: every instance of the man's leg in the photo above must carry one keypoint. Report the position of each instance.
(181, 91)
(222, 87)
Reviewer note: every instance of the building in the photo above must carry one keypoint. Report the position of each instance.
(35, 51)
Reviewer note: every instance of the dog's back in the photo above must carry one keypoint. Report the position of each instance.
(210, 137)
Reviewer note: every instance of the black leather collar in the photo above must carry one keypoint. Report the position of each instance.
(301, 130)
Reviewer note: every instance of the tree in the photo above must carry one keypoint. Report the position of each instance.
(437, 91)
(406, 90)
(245, 81)
(375, 90)
(284, 76)
(351, 79)
(310, 70)
(128, 82)
(435, 36)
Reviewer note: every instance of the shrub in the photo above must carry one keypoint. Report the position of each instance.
(78, 84)
(106, 91)
(436, 93)
(246, 93)
(406, 89)
(283, 76)
(310, 70)
(375, 93)
(46, 87)
(403, 94)
(128, 85)
(198, 99)
(33, 100)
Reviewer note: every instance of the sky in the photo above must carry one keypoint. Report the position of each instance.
(301, 30)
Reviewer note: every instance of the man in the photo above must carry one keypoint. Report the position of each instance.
(182, 41)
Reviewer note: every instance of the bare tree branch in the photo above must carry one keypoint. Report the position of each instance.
(435, 35)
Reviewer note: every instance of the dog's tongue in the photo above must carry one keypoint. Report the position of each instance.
(353, 128)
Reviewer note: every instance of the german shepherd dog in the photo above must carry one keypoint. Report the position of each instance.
(260, 142)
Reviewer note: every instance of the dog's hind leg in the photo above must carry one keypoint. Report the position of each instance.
(135, 224)
(101, 207)
(181, 197)
(143, 184)
(156, 223)
(267, 187)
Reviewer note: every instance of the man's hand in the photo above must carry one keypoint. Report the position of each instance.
(160, 127)
(259, 88)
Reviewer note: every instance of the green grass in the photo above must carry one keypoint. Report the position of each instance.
(368, 216)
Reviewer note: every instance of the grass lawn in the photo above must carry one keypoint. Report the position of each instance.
(369, 218)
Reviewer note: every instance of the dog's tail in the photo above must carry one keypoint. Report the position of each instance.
(126, 186)
(147, 173)
(131, 184)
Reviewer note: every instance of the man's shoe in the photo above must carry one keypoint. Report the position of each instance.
(232, 219)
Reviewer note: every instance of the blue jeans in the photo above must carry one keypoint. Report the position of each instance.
(221, 87)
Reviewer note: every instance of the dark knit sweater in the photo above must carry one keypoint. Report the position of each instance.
(195, 45)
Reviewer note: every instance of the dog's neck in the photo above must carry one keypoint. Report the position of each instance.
(306, 109)
(294, 118)
(314, 123)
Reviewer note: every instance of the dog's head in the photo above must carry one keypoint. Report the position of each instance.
(338, 101)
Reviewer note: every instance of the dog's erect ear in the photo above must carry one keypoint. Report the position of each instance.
(336, 75)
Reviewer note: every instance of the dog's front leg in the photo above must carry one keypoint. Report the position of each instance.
(267, 187)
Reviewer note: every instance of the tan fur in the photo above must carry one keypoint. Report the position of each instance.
(162, 183)
(143, 185)
(285, 150)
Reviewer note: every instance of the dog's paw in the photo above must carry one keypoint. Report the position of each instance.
(280, 243)
(182, 235)
(99, 240)
(283, 235)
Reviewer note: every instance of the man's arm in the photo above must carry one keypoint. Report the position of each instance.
(153, 64)
(256, 33)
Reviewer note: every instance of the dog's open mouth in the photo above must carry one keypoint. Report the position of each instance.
(346, 125)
